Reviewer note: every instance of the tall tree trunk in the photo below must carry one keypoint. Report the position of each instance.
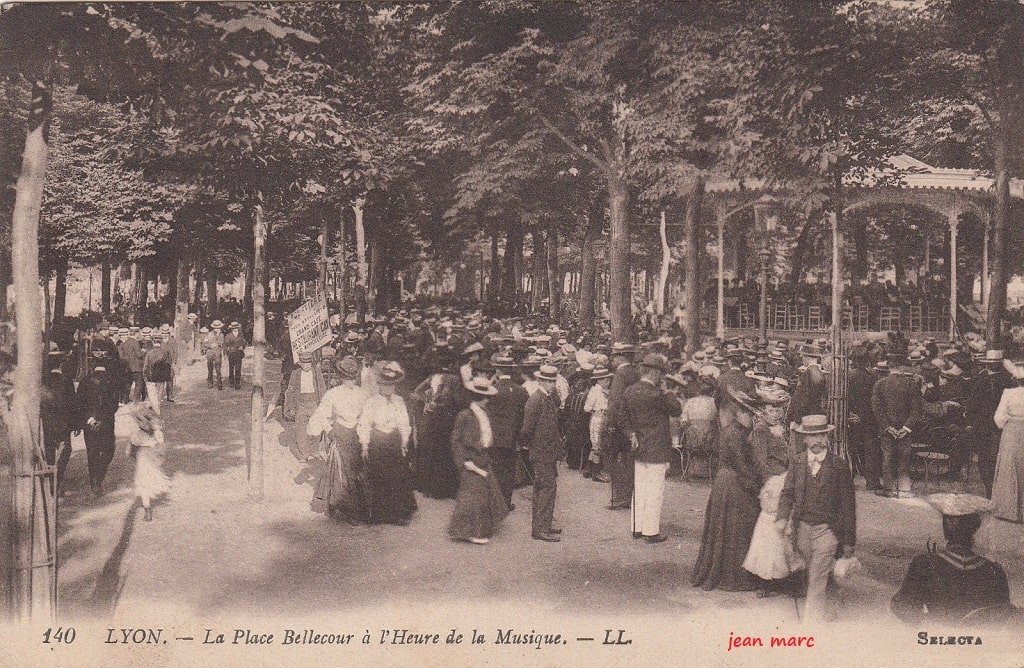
(494, 287)
(105, 287)
(60, 292)
(554, 276)
(197, 290)
(997, 255)
(618, 259)
(513, 257)
(182, 327)
(259, 344)
(539, 271)
(362, 269)
(342, 268)
(376, 264)
(588, 273)
(31, 586)
(247, 293)
(322, 283)
(172, 282)
(211, 293)
(692, 292)
(47, 306)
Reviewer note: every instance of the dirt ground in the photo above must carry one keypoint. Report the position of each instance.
(212, 554)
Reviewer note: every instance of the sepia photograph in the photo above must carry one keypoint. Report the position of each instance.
(512, 333)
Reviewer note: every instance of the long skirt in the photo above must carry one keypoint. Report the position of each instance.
(436, 475)
(1008, 486)
(479, 507)
(771, 555)
(150, 481)
(341, 489)
(728, 526)
(389, 484)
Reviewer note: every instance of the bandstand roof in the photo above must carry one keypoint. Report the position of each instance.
(906, 172)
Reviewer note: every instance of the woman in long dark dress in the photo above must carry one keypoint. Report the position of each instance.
(384, 431)
(480, 505)
(732, 508)
(436, 475)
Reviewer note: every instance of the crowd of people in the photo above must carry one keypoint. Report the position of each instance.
(452, 404)
(461, 406)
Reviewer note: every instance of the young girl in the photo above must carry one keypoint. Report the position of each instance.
(147, 439)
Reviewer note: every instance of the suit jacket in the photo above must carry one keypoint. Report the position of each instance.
(896, 401)
(837, 484)
(132, 355)
(98, 398)
(234, 343)
(506, 410)
(861, 385)
(293, 395)
(645, 412)
(540, 428)
(625, 376)
(809, 395)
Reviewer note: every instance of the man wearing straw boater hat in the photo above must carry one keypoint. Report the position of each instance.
(540, 434)
(817, 507)
(954, 585)
(506, 410)
(212, 348)
(644, 419)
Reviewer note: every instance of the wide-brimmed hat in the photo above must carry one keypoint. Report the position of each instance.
(216, 324)
(814, 424)
(915, 356)
(351, 337)
(676, 378)
(993, 357)
(957, 504)
(811, 350)
(192, 316)
(390, 374)
(235, 323)
(347, 366)
(600, 372)
(546, 372)
(743, 399)
(481, 386)
(474, 347)
(655, 361)
(165, 328)
(146, 331)
(504, 362)
(620, 348)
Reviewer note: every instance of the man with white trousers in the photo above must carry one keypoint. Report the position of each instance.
(644, 418)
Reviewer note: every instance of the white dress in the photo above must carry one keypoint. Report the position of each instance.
(771, 555)
(1008, 485)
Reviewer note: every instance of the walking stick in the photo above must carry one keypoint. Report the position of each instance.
(789, 566)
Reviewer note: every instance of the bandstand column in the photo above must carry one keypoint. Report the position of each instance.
(954, 222)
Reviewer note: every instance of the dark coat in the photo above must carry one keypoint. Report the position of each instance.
(837, 486)
(809, 394)
(861, 384)
(613, 440)
(540, 428)
(466, 440)
(506, 410)
(896, 401)
(98, 397)
(645, 412)
(293, 395)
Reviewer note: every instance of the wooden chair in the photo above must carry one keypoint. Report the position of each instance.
(889, 318)
(746, 317)
(795, 320)
(814, 317)
(915, 319)
(779, 314)
(860, 323)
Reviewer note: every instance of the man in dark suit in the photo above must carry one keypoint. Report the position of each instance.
(811, 387)
(644, 416)
(863, 432)
(618, 456)
(817, 507)
(97, 399)
(898, 406)
(506, 410)
(540, 434)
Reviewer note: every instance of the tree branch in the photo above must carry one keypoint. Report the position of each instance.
(573, 146)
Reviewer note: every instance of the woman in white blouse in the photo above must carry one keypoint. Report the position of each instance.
(1008, 486)
(384, 431)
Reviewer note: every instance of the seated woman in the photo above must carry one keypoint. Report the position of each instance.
(953, 584)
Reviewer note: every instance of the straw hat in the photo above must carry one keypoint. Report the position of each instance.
(600, 372)
(546, 372)
(390, 374)
(956, 504)
(814, 424)
(348, 367)
(481, 386)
